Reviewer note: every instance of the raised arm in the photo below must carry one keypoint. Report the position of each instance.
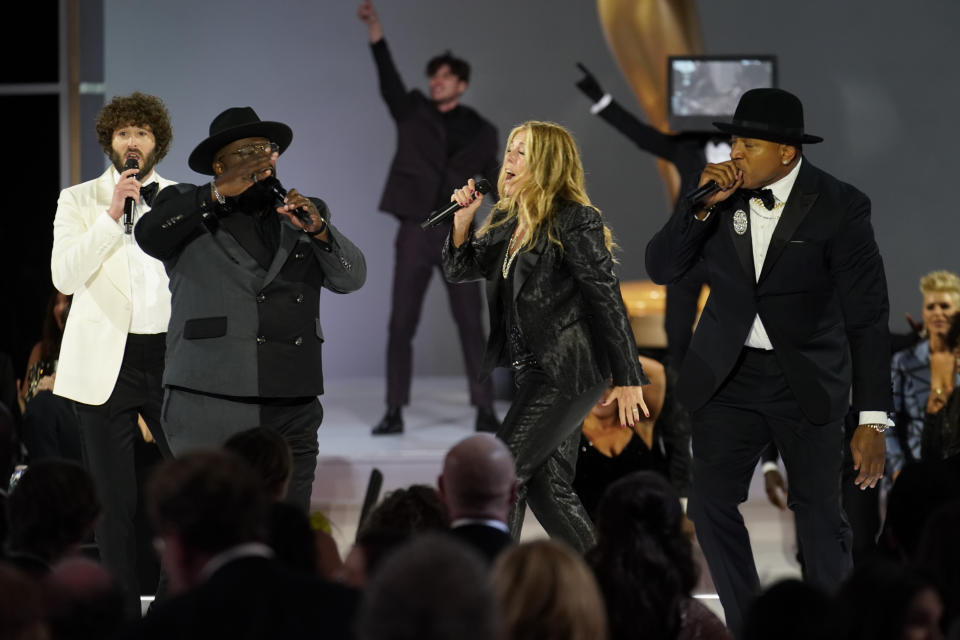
(391, 85)
(648, 138)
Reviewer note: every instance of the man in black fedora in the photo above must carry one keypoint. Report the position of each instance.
(797, 316)
(246, 267)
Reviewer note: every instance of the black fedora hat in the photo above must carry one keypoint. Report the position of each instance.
(233, 124)
(769, 114)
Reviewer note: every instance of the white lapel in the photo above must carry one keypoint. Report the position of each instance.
(115, 265)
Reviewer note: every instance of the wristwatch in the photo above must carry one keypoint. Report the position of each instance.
(879, 427)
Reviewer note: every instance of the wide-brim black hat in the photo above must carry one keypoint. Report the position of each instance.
(769, 114)
(233, 124)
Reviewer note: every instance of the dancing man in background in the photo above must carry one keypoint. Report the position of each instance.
(440, 143)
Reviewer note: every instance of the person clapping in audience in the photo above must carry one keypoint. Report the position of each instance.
(924, 375)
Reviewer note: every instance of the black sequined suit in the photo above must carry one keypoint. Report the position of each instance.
(563, 302)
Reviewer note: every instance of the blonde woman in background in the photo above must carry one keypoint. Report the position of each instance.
(923, 375)
(547, 592)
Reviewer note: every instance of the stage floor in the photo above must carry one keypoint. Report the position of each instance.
(439, 415)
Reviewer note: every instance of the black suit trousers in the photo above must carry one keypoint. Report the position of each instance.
(108, 435)
(542, 431)
(418, 254)
(753, 407)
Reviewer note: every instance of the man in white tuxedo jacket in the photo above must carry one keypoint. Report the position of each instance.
(112, 354)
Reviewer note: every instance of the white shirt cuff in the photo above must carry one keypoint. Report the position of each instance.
(601, 104)
(770, 465)
(875, 417)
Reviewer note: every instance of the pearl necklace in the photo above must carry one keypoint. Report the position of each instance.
(512, 250)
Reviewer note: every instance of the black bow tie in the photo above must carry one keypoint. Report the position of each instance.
(149, 192)
(763, 195)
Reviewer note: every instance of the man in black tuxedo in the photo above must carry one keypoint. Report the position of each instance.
(440, 143)
(208, 509)
(479, 485)
(797, 315)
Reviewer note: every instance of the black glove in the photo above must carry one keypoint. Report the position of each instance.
(589, 85)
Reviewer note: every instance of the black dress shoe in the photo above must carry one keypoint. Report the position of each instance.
(392, 422)
(487, 420)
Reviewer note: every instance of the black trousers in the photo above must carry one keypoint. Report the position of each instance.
(418, 254)
(108, 434)
(542, 431)
(194, 420)
(753, 407)
(50, 428)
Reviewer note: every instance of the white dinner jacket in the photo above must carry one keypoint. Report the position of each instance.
(89, 261)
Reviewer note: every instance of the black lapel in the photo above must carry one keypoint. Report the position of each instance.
(799, 203)
(741, 242)
(289, 236)
(242, 228)
(525, 262)
(497, 236)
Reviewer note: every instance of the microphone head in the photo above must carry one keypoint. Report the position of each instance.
(131, 163)
(483, 186)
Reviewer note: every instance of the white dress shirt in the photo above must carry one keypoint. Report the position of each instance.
(762, 224)
(149, 292)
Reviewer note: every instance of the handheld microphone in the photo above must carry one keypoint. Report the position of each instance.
(483, 186)
(280, 193)
(128, 203)
(705, 191)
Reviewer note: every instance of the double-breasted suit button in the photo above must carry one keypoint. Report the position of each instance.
(298, 341)
(261, 340)
(300, 255)
(261, 297)
(299, 298)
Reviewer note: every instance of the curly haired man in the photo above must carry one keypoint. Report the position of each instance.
(111, 358)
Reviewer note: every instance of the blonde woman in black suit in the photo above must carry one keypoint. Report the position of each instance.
(556, 317)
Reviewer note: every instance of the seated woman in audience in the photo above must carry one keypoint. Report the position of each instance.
(923, 375)
(609, 451)
(547, 592)
(50, 428)
(644, 564)
(889, 601)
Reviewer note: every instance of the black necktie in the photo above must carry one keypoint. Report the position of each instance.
(149, 192)
(763, 195)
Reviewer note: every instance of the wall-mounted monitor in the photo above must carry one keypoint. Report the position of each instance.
(705, 89)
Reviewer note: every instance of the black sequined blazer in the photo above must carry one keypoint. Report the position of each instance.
(567, 299)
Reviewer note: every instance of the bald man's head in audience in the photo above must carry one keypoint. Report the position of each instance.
(479, 479)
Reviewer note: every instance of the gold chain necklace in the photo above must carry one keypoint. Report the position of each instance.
(512, 250)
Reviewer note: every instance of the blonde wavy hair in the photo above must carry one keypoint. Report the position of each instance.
(545, 590)
(554, 170)
(941, 282)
